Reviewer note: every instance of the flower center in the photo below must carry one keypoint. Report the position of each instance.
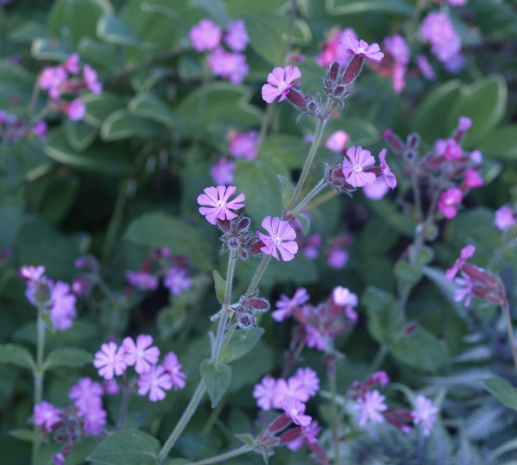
(282, 86)
(277, 240)
(358, 168)
(221, 204)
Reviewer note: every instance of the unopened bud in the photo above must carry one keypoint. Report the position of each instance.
(279, 424)
(297, 99)
(224, 225)
(42, 294)
(254, 246)
(394, 141)
(413, 140)
(244, 223)
(333, 71)
(259, 304)
(353, 69)
(339, 91)
(291, 435)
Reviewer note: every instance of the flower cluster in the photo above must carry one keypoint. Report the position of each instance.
(246, 309)
(54, 297)
(153, 378)
(398, 51)
(208, 36)
(68, 78)
(14, 128)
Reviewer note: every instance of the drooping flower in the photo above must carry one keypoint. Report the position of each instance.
(279, 83)
(295, 410)
(369, 407)
(172, 366)
(206, 35)
(46, 415)
(465, 254)
(142, 280)
(176, 280)
(362, 49)
(285, 305)
(155, 382)
(332, 49)
(337, 141)
(425, 413)
(216, 198)
(222, 172)
(140, 353)
(243, 145)
(264, 392)
(353, 167)
(467, 291)
(281, 238)
(389, 177)
(448, 202)
(236, 36)
(110, 360)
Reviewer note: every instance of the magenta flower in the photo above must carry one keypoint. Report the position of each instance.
(397, 47)
(425, 413)
(205, 35)
(389, 177)
(380, 377)
(465, 254)
(86, 394)
(309, 434)
(110, 387)
(176, 281)
(46, 415)
(172, 366)
(343, 296)
(142, 280)
(40, 130)
(279, 83)
(91, 80)
(51, 80)
(362, 49)
(110, 360)
(155, 382)
(231, 66)
(285, 305)
(217, 203)
(467, 291)
(244, 145)
(504, 218)
(337, 141)
(448, 202)
(316, 339)
(476, 156)
(72, 64)
(437, 29)
(369, 407)
(464, 123)
(95, 421)
(295, 410)
(264, 392)
(222, 172)
(353, 167)
(63, 301)
(425, 67)
(75, 110)
(472, 179)
(236, 37)
(452, 150)
(281, 238)
(337, 258)
(140, 354)
(309, 381)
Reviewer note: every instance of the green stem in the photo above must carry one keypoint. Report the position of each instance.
(183, 421)
(322, 199)
(123, 405)
(115, 222)
(335, 418)
(221, 458)
(313, 193)
(258, 274)
(508, 318)
(38, 382)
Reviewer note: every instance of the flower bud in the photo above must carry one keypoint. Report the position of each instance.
(333, 72)
(279, 424)
(394, 141)
(291, 435)
(353, 69)
(261, 305)
(297, 99)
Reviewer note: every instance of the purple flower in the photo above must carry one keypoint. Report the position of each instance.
(397, 47)
(445, 42)
(63, 309)
(295, 410)
(31, 273)
(455, 63)
(465, 254)
(217, 203)
(281, 238)
(389, 177)
(309, 434)
(155, 382)
(95, 420)
(40, 129)
(315, 339)
(86, 394)
(110, 360)
(51, 80)
(466, 292)
(377, 189)
(425, 67)
(285, 305)
(176, 281)
(353, 167)
(425, 413)
(46, 415)
(337, 141)
(72, 64)
(110, 387)
(362, 49)
(452, 150)
(140, 354)
(279, 83)
(472, 179)
(369, 407)
(343, 297)
(476, 156)
(222, 172)
(380, 377)
(236, 37)
(504, 218)
(337, 258)
(205, 35)
(91, 80)
(244, 145)
(464, 123)
(172, 366)
(142, 280)
(448, 202)
(264, 392)
(308, 380)
(75, 110)
(333, 51)
(231, 66)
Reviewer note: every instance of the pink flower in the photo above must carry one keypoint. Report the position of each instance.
(46, 415)
(285, 305)
(437, 29)
(72, 64)
(362, 49)
(222, 171)
(337, 258)
(476, 156)
(465, 254)
(75, 110)
(337, 141)
(154, 382)
(448, 202)
(176, 281)
(217, 201)
(380, 377)
(466, 292)
(142, 280)
(279, 83)
(343, 296)
(464, 123)
(295, 410)
(244, 145)
(91, 80)
(51, 79)
(397, 47)
(309, 381)
(452, 150)
(315, 339)
(425, 413)
(425, 67)
(172, 366)
(309, 434)
(205, 35)
(504, 218)
(264, 392)
(40, 129)
(353, 167)
(31, 273)
(389, 177)
(110, 360)
(110, 387)
(95, 421)
(472, 179)
(231, 66)
(281, 238)
(86, 394)
(63, 302)
(377, 189)
(236, 37)
(332, 49)
(140, 354)
(369, 407)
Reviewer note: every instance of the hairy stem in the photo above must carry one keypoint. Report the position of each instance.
(221, 458)
(258, 274)
(313, 193)
(38, 382)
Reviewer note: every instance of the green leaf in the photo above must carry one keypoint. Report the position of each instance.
(127, 447)
(239, 7)
(72, 19)
(407, 275)
(381, 307)
(45, 316)
(501, 143)
(22, 434)
(100, 55)
(447, 288)
(100, 106)
(152, 107)
(16, 355)
(246, 439)
(49, 49)
(112, 29)
(503, 390)
(80, 134)
(97, 157)
(266, 32)
(59, 197)
(159, 230)
(240, 344)
(484, 102)
(69, 357)
(291, 151)
(28, 31)
(123, 125)
(11, 219)
(220, 286)
(217, 377)
(389, 212)
(304, 221)
(287, 189)
(343, 7)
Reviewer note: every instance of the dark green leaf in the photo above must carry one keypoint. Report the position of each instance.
(266, 32)
(59, 197)
(127, 447)
(101, 55)
(49, 49)
(503, 390)
(100, 106)
(501, 143)
(150, 106)
(158, 230)
(239, 7)
(27, 32)
(381, 308)
(343, 7)
(240, 344)
(80, 134)
(407, 275)
(287, 189)
(16, 355)
(11, 219)
(304, 221)
(69, 357)
(246, 439)
(22, 434)
(112, 29)
(220, 286)
(122, 125)
(217, 377)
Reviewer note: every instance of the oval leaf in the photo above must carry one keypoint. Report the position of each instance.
(16, 355)
(240, 344)
(217, 377)
(69, 357)
(503, 390)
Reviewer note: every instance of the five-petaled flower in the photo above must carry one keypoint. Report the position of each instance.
(425, 413)
(217, 205)
(370, 407)
(362, 49)
(110, 360)
(281, 238)
(353, 167)
(279, 83)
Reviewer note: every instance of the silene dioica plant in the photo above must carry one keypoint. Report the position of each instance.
(369, 363)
